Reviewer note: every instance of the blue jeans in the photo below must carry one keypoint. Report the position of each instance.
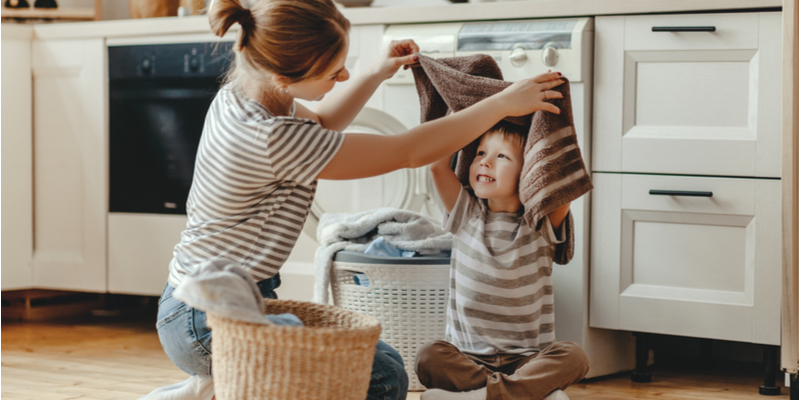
(186, 339)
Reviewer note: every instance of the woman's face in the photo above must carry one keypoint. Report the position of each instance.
(314, 89)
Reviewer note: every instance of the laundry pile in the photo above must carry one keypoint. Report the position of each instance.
(382, 231)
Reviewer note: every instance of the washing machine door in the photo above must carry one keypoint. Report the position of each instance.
(409, 189)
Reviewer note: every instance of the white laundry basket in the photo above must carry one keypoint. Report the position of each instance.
(407, 295)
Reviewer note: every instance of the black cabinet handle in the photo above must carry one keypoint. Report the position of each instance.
(680, 193)
(684, 29)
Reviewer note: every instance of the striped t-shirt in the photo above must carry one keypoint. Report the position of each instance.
(501, 289)
(254, 182)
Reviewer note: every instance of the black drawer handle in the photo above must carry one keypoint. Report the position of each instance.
(680, 193)
(684, 29)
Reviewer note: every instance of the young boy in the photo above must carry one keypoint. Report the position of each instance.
(500, 337)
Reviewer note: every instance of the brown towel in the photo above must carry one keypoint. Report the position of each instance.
(553, 172)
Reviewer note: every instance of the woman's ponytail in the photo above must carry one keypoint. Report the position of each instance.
(297, 39)
(222, 14)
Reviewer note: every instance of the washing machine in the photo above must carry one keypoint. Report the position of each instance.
(523, 49)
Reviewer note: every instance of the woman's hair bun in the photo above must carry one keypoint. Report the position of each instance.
(224, 13)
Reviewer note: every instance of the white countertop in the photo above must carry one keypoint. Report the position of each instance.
(397, 15)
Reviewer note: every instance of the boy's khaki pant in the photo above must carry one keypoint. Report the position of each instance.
(441, 365)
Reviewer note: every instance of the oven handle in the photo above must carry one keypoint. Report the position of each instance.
(680, 193)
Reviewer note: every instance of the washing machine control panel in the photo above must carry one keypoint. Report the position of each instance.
(522, 48)
(528, 48)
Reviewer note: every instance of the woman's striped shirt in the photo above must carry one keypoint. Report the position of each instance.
(254, 182)
(501, 289)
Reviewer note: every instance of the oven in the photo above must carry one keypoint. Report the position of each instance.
(158, 99)
(159, 95)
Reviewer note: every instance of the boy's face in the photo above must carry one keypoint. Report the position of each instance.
(494, 173)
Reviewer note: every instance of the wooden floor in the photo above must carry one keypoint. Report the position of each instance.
(116, 357)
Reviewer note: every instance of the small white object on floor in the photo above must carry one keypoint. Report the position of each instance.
(439, 394)
(557, 395)
(195, 388)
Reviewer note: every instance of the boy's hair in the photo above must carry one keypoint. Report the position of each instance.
(517, 134)
(298, 39)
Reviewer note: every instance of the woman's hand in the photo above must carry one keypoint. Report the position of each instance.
(532, 94)
(399, 53)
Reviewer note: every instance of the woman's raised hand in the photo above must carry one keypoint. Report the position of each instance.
(399, 53)
(532, 94)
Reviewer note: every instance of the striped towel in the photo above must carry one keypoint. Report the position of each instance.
(553, 172)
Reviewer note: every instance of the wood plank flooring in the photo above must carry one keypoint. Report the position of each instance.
(120, 357)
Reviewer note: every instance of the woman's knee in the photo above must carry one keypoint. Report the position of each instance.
(389, 379)
(389, 351)
(185, 338)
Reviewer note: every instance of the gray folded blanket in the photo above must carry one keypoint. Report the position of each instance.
(553, 172)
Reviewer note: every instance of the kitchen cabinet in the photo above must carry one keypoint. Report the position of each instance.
(686, 211)
(690, 266)
(17, 158)
(701, 103)
(70, 164)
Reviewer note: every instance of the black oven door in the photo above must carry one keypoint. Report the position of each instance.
(156, 120)
(153, 148)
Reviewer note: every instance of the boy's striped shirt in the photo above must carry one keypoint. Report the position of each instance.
(254, 182)
(501, 289)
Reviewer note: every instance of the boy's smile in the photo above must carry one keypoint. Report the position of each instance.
(494, 173)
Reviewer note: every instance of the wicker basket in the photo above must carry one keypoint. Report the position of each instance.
(329, 358)
(407, 295)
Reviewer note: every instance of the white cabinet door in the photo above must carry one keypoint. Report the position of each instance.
(703, 103)
(140, 250)
(70, 164)
(682, 265)
(17, 158)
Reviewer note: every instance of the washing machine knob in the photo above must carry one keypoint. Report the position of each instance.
(518, 57)
(550, 55)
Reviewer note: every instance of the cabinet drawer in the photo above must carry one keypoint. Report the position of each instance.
(684, 194)
(731, 31)
(690, 266)
(697, 103)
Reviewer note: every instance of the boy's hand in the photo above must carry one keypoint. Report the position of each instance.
(529, 95)
(400, 53)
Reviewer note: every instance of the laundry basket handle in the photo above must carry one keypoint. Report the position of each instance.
(350, 276)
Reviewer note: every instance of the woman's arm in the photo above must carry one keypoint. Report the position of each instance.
(446, 182)
(365, 155)
(338, 110)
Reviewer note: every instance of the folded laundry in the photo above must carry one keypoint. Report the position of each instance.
(406, 230)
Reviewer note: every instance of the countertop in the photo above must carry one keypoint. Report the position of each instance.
(521, 9)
